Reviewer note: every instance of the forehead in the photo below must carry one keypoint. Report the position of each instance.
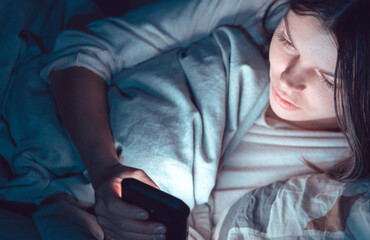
(314, 43)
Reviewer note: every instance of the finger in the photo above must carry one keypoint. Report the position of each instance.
(143, 177)
(150, 182)
(143, 227)
(121, 209)
(119, 172)
(119, 233)
(139, 175)
(108, 202)
(133, 236)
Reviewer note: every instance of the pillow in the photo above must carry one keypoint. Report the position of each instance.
(309, 207)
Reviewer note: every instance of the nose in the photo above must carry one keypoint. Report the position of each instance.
(293, 77)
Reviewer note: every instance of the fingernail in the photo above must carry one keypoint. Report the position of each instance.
(159, 229)
(159, 237)
(141, 215)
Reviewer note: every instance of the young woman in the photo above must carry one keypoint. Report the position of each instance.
(319, 82)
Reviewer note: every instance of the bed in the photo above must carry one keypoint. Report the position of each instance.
(44, 188)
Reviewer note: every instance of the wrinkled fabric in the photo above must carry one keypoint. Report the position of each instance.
(274, 150)
(174, 124)
(39, 152)
(300, 208)
(30, 27)
(39, 158)
(11, 223)
(109, 45)
(194, 94)
(200, 115)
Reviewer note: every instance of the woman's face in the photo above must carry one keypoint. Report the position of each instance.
(302, 62)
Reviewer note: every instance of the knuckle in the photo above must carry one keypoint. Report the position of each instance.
(138, 172)
(147, 228)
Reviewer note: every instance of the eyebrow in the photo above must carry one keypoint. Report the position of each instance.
(291, 39)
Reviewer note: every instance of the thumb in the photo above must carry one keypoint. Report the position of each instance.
(147, 180)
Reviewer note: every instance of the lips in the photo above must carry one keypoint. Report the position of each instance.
(285, 104)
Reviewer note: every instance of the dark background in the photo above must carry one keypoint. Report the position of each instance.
(118, 7)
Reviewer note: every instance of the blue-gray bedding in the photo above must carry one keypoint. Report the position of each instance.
(305, 207)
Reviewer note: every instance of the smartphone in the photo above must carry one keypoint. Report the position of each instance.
(162, 207)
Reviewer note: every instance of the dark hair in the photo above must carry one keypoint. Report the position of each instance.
(347, 21)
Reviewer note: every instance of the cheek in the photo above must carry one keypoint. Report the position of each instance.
(277, 59)
(320, 101)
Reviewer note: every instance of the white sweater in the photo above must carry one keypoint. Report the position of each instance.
(272, 150)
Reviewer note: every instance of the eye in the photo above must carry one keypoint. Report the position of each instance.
(324, 81)
(284, 41)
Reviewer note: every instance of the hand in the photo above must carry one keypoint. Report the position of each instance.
(118, 219)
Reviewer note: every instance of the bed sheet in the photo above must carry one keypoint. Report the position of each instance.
(304, 207)
(28, 29)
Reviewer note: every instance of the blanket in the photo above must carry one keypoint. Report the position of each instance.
(173, 92)
(307, 210)
(176, 123)
(43, 161)
(191, 97)
(32, 140)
